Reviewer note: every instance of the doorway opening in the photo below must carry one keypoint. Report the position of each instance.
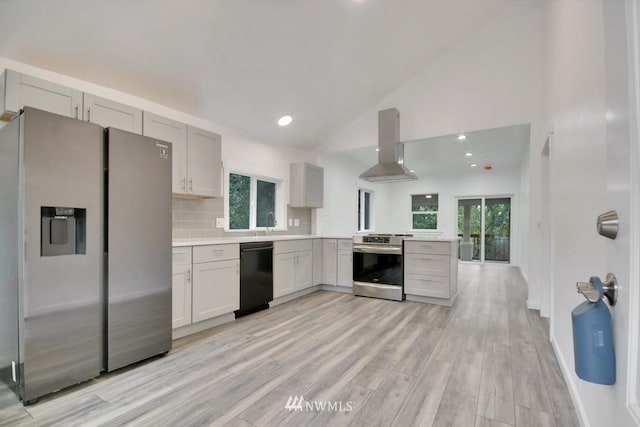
(484, 226)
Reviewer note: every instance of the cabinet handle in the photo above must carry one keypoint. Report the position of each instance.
(184, 183)
(88, 114)
(191, 185)
(425, 259)
(76, 108)
(188, 276)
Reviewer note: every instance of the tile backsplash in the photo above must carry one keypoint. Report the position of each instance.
(196, 219)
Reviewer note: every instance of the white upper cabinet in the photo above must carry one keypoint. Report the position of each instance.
(197, 156)
(176, 133)
(18, 90)
(306, 186)
(107, 113)
(204, 163)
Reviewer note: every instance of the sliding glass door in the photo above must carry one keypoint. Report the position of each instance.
(469, 229)
(484, 226)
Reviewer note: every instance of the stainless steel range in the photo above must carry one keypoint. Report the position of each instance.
(377, 266)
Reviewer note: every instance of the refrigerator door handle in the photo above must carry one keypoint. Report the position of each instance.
(191, 185)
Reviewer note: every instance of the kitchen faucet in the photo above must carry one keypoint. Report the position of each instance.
(273, 221)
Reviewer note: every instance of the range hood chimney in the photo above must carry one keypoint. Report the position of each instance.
(390, 167)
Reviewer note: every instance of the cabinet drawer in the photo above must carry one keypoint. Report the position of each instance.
(215, 253)
(181, 256)
(435, 248)
(345, 245)
(427, 286)
(434, 265)
(286, 246)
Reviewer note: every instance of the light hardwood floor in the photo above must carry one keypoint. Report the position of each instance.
(486, 362)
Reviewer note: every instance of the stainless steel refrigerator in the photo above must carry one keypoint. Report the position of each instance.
(85, 251)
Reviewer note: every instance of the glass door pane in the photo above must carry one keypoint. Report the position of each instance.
(469, 229)
(497, 229)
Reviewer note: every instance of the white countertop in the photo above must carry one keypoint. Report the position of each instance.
(245, 239)
(431, 239)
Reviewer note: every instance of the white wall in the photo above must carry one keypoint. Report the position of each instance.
(339, 215)
(576, 110)
(392, 204)
(524, 217)
(492, 79)
(237, 148)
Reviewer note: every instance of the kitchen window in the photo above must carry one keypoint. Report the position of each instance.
(365, 210)
(252, 202)
(424, 211)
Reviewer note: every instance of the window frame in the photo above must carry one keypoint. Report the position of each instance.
(361, 211)
(436, 213)
(280, 214)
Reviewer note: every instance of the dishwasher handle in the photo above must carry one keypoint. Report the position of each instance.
(257, 249)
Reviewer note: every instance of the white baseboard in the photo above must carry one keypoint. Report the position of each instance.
(571, 385)
(194, 328)
(533, 305)
(290, 297)
(429, 300)
(332, 288)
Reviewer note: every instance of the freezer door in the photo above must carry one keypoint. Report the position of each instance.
(62, 331)
(9, 254)
(139, 248)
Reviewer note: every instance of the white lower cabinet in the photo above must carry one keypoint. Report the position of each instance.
(283, 274)
(216, 289)
(431, 269)
(345, 268)
(181, 288)
(317, 262)
(329, 261)
(292, 266)
(303, 270)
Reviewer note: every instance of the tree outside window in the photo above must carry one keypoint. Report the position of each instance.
(424, 211)
(252, 202)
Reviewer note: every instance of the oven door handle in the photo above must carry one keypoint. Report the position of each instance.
(377, 250)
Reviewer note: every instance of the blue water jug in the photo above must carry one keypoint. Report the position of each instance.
(593, 350)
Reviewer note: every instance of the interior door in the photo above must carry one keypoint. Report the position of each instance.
(622, 254)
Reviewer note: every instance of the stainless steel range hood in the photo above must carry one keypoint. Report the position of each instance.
(390, 167)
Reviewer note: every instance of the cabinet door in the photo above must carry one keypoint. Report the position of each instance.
(304, 270)
(176, 133)
(317, 261)
(283, 274)
(314, 186)
(428, 286)
(181, 296)
(345, 268)
(329, 261)
(204, 163)
(107, 113)
(216, 289)
(23, 90)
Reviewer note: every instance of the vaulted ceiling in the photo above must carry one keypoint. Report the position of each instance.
(245, 63)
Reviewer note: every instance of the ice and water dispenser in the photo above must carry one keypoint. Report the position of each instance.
(63, 231)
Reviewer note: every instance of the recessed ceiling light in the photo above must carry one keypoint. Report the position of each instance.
(377, 149)
(468, 154)
(473, 165)
(462, 137)
(285, 120)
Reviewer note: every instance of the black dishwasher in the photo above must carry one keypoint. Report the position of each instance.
(256, 277)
